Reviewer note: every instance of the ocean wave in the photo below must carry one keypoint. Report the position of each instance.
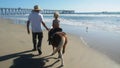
(101, 25)
(91, 15)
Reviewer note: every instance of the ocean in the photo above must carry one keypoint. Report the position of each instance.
(107, 22)
(99, 31)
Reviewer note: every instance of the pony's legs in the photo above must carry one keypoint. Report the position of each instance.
(61, 57)
(64, 46)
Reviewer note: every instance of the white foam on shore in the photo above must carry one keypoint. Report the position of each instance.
(85, 43)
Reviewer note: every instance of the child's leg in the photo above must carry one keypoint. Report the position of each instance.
(49, 36)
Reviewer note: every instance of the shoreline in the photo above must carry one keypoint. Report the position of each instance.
(105, 42)
(16, 48)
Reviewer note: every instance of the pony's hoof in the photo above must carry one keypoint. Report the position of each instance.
(63, 52)
(62, 65)
(59, 57)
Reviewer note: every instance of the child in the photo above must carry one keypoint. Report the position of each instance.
(55, 27)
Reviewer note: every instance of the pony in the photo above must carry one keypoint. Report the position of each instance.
(59, 41)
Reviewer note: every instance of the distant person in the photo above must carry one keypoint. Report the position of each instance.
(87, 29)
(36, 19)
(55, 27)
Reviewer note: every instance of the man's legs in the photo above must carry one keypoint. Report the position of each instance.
(34, 35)
(40, 36)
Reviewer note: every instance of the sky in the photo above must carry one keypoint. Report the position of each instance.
(77, 5)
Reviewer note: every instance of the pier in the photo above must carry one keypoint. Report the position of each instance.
(23, 11)
(14, 11)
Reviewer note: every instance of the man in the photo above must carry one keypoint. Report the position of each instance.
(36, 19)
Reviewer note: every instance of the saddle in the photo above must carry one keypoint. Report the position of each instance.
(55, 40)
(53, 37)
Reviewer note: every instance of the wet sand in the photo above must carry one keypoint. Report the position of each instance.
(16, 51)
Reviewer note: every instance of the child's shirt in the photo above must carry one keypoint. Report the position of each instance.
(56, 23)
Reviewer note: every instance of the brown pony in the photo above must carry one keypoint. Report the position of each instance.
(59, 41)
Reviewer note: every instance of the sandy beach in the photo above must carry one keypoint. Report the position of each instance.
(16, 51)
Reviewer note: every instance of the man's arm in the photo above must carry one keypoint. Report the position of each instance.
(28, 23)
(45, 26)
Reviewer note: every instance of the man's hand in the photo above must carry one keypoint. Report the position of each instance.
(48, 29)
(28, 23)
(28, 31)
